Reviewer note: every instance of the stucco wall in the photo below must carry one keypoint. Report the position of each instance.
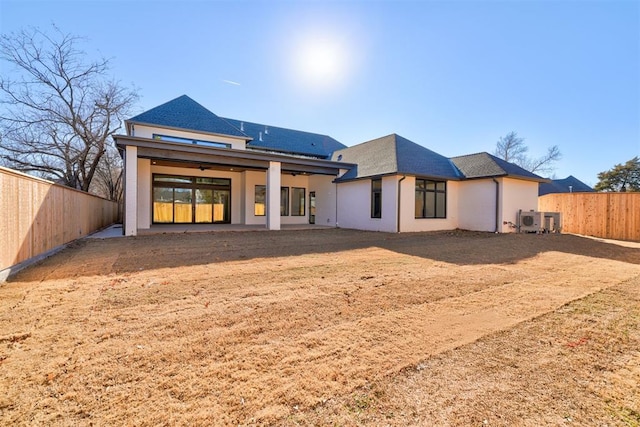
(354, 205)
(477, 205)
(143, 131)
(325, 199)
(145, 195)
(516, 194)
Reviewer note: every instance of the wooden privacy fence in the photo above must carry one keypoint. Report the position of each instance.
(606, 215)
(37, 216)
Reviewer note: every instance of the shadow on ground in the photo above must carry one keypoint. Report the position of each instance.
(131, 254)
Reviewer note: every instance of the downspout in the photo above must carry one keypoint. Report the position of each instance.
(399, 201)
(497, 204)
(336, 184)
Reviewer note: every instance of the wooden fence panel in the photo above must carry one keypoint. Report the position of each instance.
(38, 215)
(606, 215)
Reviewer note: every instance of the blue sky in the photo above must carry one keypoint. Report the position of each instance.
(453, 76)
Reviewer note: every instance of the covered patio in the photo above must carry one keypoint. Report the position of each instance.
(148, 161)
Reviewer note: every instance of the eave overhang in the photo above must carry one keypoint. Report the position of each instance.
(129, 123)
(200, 155)
(506, 175)
(400, 174)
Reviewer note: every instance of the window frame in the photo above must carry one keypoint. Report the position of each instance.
(172, 182)
(264, 200)
(435, 191)
(303, 211)
(284, 207)
(376, 198)
(184, 140)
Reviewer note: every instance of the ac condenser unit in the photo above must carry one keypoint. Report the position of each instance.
(531, 222)
(553, 222)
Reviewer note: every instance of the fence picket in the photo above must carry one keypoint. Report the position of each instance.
(606, 215)
(38, 215)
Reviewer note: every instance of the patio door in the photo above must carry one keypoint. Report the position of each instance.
(212, 206)
(182, 205)
(204, 205)
(191, 200)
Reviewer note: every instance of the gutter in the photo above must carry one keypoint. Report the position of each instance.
(245, 138)
(336, 186)
(399, 201)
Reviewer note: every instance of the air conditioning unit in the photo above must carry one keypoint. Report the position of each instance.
(552, 222)
(531, 221)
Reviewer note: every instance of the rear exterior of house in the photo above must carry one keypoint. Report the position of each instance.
(186, 165)
(420, 190)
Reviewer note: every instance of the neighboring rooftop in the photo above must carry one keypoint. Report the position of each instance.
(185, 113)
(272, 138)
(485, 165)
(394, 154)
(569, 184)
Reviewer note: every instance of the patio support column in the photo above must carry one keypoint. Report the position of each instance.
(131, 191)
(273, 196)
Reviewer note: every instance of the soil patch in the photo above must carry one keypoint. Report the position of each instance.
(323, 326)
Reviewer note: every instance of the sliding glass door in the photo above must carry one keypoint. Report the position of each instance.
(204, 205)
(185, 200)
(182, 205)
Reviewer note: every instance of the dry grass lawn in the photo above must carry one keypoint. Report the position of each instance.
(324, 327)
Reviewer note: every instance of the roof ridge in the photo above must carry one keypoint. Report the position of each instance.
(371, 140)
(473, 154)
(276, 127)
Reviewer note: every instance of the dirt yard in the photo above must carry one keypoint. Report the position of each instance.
(324, 327)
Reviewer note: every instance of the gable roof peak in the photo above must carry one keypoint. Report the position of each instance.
(394, 154)
(185, 113)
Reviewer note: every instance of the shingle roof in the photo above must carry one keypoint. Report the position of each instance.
(485, 165)
(185, 113)
(562, 186)
(287, 140)
(395, 154)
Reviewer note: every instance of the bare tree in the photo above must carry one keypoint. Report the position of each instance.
(513, 149)
(59, 110)
(108, 182)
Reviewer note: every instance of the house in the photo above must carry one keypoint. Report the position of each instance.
(184, 164)
(570, 184)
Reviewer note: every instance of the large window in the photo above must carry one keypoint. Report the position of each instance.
(297, 201)
(260, 204)
(187, 199)
(190, 141)
(376, 198)
(431, 199)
